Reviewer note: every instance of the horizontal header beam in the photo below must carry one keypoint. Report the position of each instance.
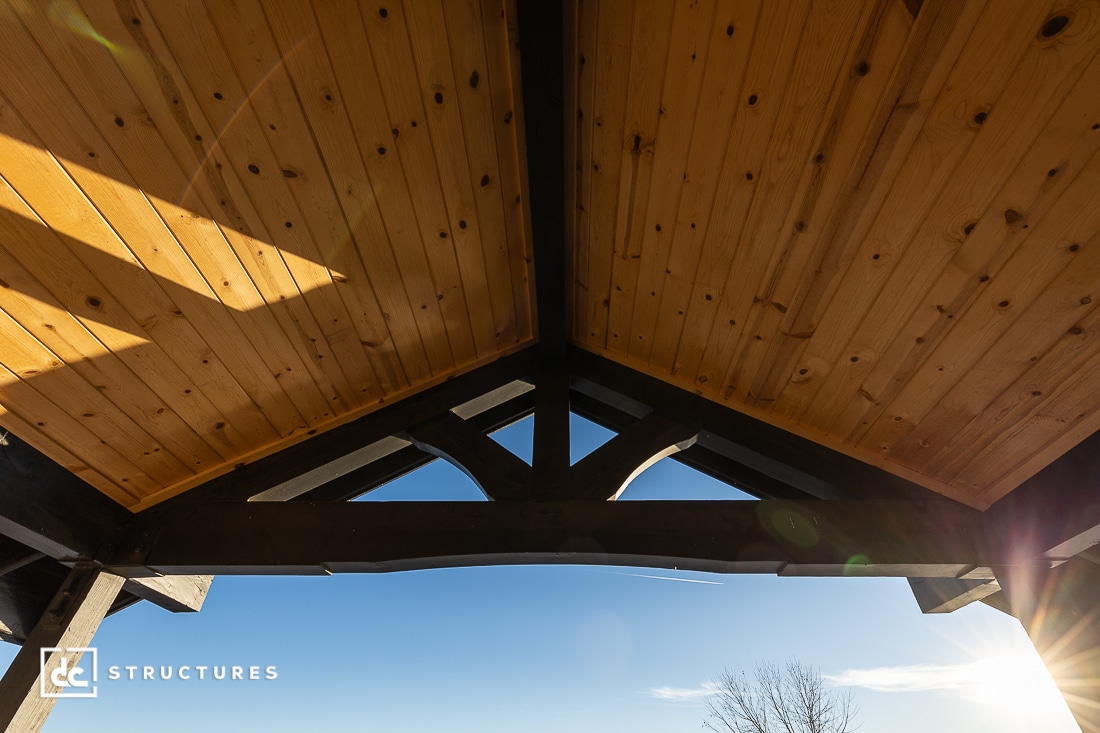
(868, 538)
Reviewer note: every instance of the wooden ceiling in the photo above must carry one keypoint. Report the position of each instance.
(876, 231)
(226, 226)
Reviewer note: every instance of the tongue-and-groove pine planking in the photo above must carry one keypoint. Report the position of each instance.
(896, 250)
(233, 225)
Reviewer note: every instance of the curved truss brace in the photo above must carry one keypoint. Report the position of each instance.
(606, 472)
(498, 472)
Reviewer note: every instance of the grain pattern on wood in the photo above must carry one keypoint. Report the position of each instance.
(887, 250)
(223, 229)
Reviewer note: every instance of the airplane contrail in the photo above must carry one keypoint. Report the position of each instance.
(664, 577)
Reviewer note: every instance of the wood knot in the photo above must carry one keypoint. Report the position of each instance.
(475, 79)
(1053, 26)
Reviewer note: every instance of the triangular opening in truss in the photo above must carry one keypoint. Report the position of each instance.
(437, 481)
(585, 436)
(668, 479)
(518, 438)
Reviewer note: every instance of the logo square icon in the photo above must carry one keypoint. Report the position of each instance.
(68, 672)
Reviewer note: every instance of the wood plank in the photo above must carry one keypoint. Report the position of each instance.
(937, 38)
(318, 233)
(927, 276)
(33, 408)
(614, 50)
(379, 180)
(43, 371)
(635, 161)
(845, 140)
(821, 65)
(407, 104)
(498, 19)
(162, 352)
(61, 456)
(694, 27)
(776, 39)
(138, 233)
(720, 98)
(981, 73)
(1069, 414)
(243, 32)
(373, 177)
(31, 304)
(1022, 256)
(176, 115)
(468, 73)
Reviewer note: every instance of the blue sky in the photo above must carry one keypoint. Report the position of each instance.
(554, 648)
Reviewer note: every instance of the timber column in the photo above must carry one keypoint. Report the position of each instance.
(70, 621)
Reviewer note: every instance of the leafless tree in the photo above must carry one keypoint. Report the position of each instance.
(787, 699)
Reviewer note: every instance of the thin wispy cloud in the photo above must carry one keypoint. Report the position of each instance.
(682, 694)
(1015, 681)
(913, 678)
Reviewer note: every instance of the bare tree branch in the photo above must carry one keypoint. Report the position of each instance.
(787, 699)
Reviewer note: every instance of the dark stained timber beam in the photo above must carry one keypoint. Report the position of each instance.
(846, 477)
(550, 448)
(698, 457)
(498, 472)
(915, 539)
(1056, 513)
(293, 461)
(607, 471)
(380, 472)
(540, 37)
(49, 510)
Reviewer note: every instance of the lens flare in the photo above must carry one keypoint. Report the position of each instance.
(792, 526)
(66, 14)
(236, 113)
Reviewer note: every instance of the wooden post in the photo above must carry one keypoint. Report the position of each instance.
(69, 621)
